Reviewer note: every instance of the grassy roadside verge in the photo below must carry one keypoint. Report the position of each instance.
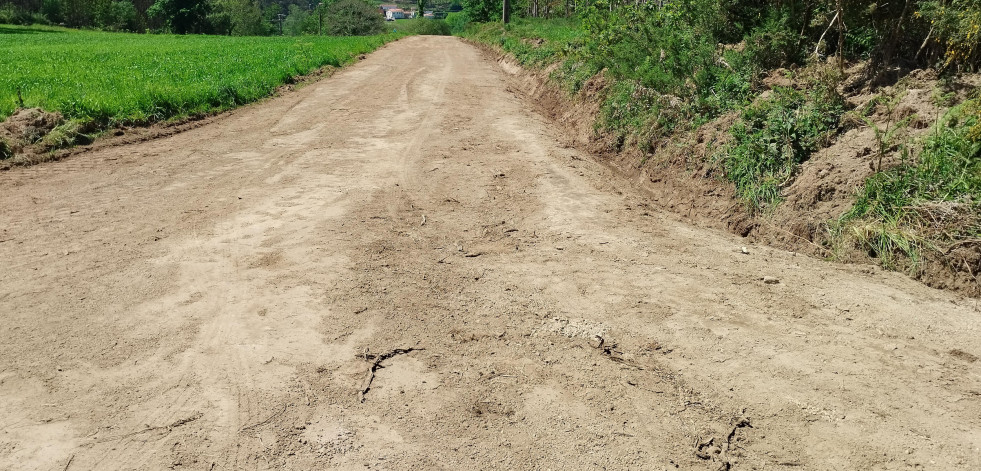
(97, 80)
(668, 80)
(919, 212)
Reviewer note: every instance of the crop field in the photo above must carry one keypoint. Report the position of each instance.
(117, 78)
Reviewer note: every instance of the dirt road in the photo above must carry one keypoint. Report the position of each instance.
(219, 298)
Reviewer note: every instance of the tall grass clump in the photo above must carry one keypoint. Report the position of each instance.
(928, 201)
(774, 135)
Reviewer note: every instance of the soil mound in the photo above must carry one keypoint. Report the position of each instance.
(25, 127)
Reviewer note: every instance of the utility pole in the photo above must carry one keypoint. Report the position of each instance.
(320, 26)
(507, 11)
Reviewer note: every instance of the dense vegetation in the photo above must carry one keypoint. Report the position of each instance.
(670, 67)
(422, 26)
(97, 79)
(224, 17)
(354, 18)
(929, 202)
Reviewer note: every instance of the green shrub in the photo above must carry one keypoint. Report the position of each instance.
(533, 42)
(947, 169)
(458, 22)
(720, 88)
(628, 106)
(483, 10)
(773, 136)
(423, 26)
(774, 44)
(661, 47)
(573, 74)
(958, 25)
(14, 15)
(354, 18)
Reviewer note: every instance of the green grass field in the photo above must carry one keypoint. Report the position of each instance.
(117, 78)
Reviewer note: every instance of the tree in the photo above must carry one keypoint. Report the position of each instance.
(354, 18)
(53, 9)
(246, 17)
(482, 10)
(183, 16)
(296, 22)
(117, 15)
(77, 13)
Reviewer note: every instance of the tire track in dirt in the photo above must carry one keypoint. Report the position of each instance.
(213, 300)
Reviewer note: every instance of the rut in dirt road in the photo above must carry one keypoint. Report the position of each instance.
(403, 267)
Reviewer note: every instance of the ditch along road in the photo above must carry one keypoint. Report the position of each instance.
(403, 267)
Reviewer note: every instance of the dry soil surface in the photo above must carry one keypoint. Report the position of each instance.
(400, 267)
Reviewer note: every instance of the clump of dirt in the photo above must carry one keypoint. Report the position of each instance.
(778, 78)
(26, 127)
(881, 123)
(943, 263)
(825, 187)
(32, 135)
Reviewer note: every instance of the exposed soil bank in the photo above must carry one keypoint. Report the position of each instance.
(683, 178)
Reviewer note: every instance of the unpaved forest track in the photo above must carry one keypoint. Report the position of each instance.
(215, 299)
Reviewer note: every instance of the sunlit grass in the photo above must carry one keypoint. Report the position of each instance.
(117, 78)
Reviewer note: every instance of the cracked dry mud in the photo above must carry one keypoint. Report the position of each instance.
(215, 299)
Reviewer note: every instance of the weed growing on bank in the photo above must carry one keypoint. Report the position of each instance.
(929, 201)
(774, 135)
(532, 42)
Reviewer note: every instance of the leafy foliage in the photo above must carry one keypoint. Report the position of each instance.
(947, 169)
(354, 18)
(457, 22)
(958, 24)
(183, 16)
(773, 136)
(423, 26)
(924, 203)
(482, 10)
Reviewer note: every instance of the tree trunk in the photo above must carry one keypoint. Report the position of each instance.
(889, 48)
